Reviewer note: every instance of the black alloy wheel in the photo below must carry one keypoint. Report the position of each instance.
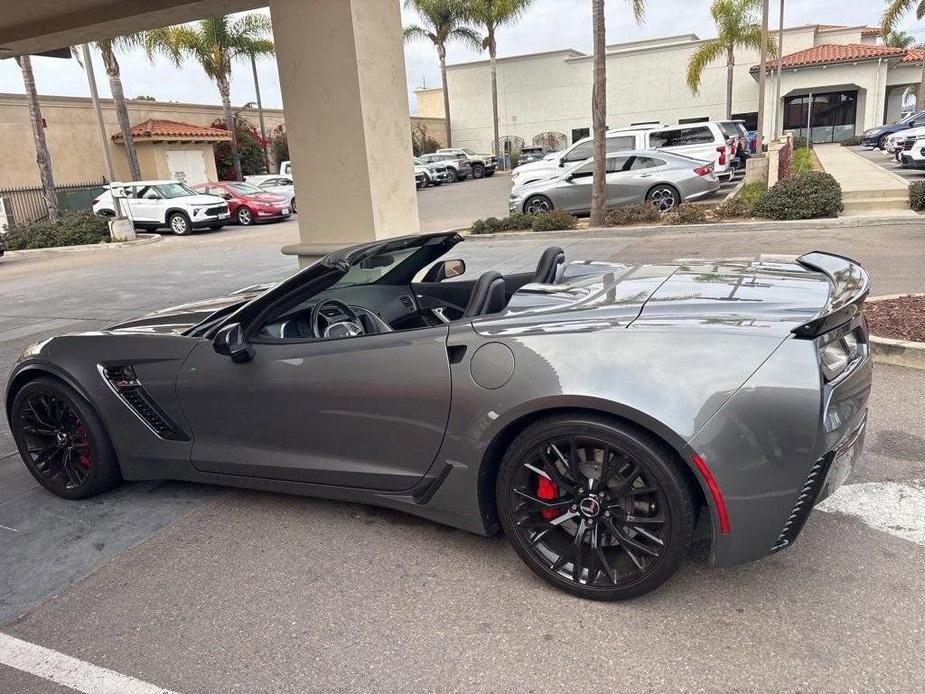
(245, 216)
(453, 176)
(478, 171)
(595, 508)
(538, 204)
(663, 197)
(62, 441)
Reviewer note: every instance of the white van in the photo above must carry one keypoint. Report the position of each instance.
(704, 141)
(552, 164)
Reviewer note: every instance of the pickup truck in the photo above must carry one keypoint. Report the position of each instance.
(482, 164)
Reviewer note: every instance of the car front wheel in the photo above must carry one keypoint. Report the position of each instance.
(538, 204)
(245, 216)
(478, 171)
(452, 177)
(595, 507)
(179, 224)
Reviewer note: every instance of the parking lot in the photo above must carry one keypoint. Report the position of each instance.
(890, 164)
(202, 589)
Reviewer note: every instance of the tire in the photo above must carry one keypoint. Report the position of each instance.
(453, 177)
(615, 559)
(478, 171)
(664, 197)
(881, 143)
(180, 224)
(91, 458)
(244, 216)
(538, 204)
(292, 206)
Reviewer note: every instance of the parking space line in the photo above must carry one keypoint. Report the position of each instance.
(69, 672)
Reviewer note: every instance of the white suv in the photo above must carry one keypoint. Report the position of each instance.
(705, 141)
(159, 204)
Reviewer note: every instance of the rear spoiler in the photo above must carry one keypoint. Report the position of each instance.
(850, 286)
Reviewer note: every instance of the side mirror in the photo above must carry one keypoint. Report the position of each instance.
(562, 162)
(231, 342)
(445, 270)
(227, 196)
(569, 178)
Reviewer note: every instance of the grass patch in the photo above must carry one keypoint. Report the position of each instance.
(801, 161)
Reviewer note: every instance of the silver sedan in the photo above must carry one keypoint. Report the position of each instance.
(633, 177)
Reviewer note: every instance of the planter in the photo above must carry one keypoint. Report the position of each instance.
(894, 351)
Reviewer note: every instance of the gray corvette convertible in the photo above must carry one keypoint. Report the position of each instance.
(599, 413)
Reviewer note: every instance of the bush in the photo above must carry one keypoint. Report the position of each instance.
(804, 196)
(632, 214)
(554, 221)
(71, 229)
(517, 221)
(852, 141)
(800, 142)
(685, 213)
(742, 204)
(917, 196)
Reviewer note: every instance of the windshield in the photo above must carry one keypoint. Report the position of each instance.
(910, 117)
(467, 151)
(175, 190)
(419, 162)
(374, 267)
(245, 188)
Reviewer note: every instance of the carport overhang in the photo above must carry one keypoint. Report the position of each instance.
(342, 74)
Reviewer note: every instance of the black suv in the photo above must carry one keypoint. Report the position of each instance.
(876, 137)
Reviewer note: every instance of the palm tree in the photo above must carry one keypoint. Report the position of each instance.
(107, 49)
(42, 156)
(215, 43)
(738, 26)
(899, 39)
(492, 14)
(444, 20)
(599, 106)
(891, 15)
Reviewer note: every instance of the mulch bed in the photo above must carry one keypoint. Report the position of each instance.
(900, 319)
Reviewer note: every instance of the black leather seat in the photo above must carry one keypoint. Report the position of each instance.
(488, 296)
(547, 269)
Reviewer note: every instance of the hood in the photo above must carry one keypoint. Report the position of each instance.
(271, 198)
(203, 199)
(178, 319)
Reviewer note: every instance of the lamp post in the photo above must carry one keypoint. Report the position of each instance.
(762, 77)
(780, 56)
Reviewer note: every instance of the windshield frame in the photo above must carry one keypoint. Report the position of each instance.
(185, 189)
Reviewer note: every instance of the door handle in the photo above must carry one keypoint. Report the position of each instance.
(645, 175)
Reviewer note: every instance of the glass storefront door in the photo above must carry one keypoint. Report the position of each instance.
(832, 115)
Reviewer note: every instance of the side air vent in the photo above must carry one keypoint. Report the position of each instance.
(125, 384)
(804, 504)
(407, 302)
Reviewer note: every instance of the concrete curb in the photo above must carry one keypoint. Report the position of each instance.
(849, 222)
(141, 240)
(897, 352)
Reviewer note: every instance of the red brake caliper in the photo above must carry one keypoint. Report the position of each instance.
(85, 448)
(547, 490)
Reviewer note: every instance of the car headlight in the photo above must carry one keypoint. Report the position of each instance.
(836, 351)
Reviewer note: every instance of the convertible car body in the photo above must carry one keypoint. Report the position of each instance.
(594, 410)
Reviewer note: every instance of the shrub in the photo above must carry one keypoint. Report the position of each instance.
(71, 229)
(917, 196)
(804, 196)
(554, 221)
(800, 142)
(852, 141)
(685, 213)
(742, 203)
(632, 214)
(517, 221)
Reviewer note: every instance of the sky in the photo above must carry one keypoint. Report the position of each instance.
(547, 25)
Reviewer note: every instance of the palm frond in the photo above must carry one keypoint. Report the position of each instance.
(639, 10)
(705, 54)
(415, 32)
(467, 35)
(896, 9)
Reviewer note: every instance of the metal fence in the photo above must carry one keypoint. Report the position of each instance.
(29, 204)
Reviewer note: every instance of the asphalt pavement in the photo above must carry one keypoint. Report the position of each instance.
(202, 589)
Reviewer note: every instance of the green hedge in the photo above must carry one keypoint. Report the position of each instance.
(852, 141)
(917, 196)
(686, 213)
(554, 221)
(549, 221)
(632, 214)
(805, 196)
(71, 229)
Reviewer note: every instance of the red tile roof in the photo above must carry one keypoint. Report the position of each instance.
(153, 129)
(866, 31)
(913, 55)
(828, 54)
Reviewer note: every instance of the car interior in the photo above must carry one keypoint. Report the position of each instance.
(392, 299)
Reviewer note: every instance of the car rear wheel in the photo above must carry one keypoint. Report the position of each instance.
(599, 509)
(664, 197)
(62, 440)
(478, 171)
(179, 224)
(538, 204)
(245, 216)
(453, 176)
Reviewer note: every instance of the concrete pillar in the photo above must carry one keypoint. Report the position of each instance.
(342, 74)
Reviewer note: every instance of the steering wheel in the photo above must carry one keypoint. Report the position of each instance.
(347, 324)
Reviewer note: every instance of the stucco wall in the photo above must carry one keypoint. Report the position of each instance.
(429, 102)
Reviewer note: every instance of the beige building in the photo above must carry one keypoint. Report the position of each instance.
(170, 150)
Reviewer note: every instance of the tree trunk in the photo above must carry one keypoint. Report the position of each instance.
(730, 65)
(441, 51)
(225, 90)
(599, 117)
(118, 99)
(492, 53)
(42, 156)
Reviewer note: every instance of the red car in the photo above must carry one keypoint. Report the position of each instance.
(247, 203)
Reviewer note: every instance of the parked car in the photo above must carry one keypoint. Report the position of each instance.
(247, 203)
(435, 173)
(285, 171)
(531, 154)
(281, 185)
(911, 152)
(595, 411)
(419, 180)
(551, 166)
(735, 130)
(663, 179)
(483, 165)
(877, 137)
(459, 168)
(158, 204)
(705, 141)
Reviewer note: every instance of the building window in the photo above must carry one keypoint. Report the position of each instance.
(750, 118)
(684, 121)
(831, 115)
(580, 133)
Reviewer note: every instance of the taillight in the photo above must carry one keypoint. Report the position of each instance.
(703, 170)
(722, 155)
